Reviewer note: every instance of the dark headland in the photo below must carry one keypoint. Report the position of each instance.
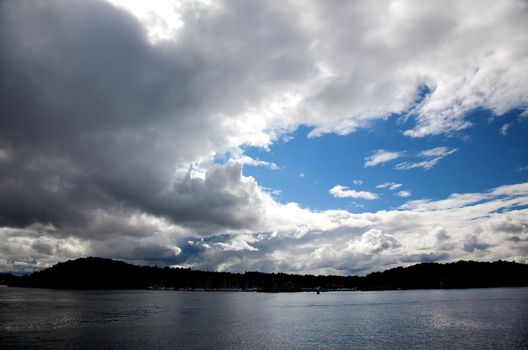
(99, 273)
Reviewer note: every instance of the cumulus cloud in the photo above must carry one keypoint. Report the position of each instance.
(111, 123)
(459, 52)
(381, 156)
(483, 226)
(375, 241)
(403, 194)
(462, 56)
(339, 191)
(480, 226)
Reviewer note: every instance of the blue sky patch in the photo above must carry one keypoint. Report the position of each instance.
(486, 155)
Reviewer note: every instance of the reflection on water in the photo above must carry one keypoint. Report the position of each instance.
(438, 319)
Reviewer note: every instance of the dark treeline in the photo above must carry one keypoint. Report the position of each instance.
(6, 278)
(98, 273)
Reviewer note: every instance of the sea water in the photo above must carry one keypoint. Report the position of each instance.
(142, 319)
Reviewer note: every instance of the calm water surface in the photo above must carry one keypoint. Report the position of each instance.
(437, 319)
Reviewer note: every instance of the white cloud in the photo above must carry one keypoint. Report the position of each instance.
(357, 182)
(433, 156)
(239, 243)
(426, 164)
(272, 191)
(375, 241)
(381, 156)
(460, 53)
(504, 129)
(468, 226)
(437, 152)
(339, 191)
(246, 160)
(391, 185)
(517, 193)
(403, 194)
(163, 19)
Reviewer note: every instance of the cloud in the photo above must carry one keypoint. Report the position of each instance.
(459, 57)
(246, 160)
(375, 241)
(357, 182)
(163, 19)
(403, 194)
(433, 156)
(473, 245)
(4, 155)
(459, 54)
(391, 185)
(478, 226)
(381, 156)
(121, 119)
(239, 243)
(111, 125)
(504, 129)
(339, 191)
(426, 164)
(437, 152)
(457, 60)
(460, 200)
(481, 226)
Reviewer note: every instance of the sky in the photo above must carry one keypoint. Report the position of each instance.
(296, 136)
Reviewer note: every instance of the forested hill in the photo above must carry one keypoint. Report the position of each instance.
(98, 273)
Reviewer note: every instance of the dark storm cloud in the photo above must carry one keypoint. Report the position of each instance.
(99, 125)
(220, 200)
(45, 188)
(95, 116)
(472, 244)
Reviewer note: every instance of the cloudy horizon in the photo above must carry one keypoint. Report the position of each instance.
(303, 137)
